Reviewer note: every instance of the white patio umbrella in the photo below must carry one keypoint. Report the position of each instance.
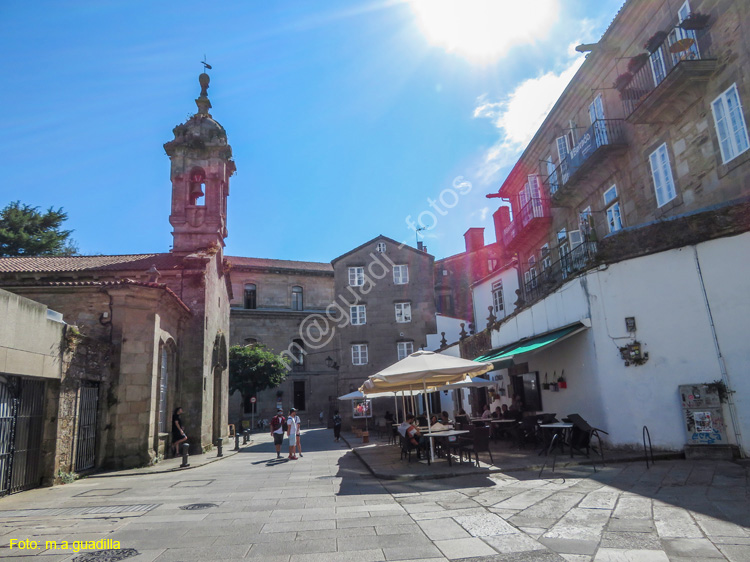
(426, 369)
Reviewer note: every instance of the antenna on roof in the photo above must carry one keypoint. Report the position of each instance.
(417, 231)
(206, 66)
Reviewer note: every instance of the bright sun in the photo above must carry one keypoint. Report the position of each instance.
(484, 30)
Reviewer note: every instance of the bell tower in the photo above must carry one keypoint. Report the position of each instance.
(201, 167)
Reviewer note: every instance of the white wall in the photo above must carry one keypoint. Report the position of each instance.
(451, 327)
(481, 295)
(663, 292)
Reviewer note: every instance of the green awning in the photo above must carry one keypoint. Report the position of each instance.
(502, 357)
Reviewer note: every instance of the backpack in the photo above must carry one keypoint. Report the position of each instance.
(284, 425)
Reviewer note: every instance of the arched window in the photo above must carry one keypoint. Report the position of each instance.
(197, 186)
(251, 301)
(297, 298)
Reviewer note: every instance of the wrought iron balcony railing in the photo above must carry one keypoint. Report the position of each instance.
(681, 49)
(570, 263)
(602, 134)
(534, 208)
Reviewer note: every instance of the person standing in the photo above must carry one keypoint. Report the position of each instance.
(178, 431)
(336, 426)
(292, 427)
(299, 433)
(277, 431)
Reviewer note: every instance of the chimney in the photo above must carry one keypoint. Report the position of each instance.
(474, 238)
(420, 245)
(502, 219)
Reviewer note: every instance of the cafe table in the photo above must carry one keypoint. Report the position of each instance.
(561, 429)
(445, 435)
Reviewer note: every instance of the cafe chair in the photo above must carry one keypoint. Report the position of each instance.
(581, 438)
(525, 432)
(393, 436)
(480, 443)
(407, 449)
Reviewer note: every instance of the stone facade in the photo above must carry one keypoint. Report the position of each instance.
(382, 296)
(283, 297)
(152, 329)
(563, 204)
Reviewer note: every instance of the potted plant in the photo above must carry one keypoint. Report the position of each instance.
(545, 384)
(694, 21)
(562, 383)
(637, 62)
(622, 81)
(653, 44)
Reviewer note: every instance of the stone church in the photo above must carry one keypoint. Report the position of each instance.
(132, 336)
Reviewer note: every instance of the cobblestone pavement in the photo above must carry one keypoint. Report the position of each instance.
(327, 507)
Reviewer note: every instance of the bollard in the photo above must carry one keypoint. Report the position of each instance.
(236, 441)
(220, 447)
(185, 449)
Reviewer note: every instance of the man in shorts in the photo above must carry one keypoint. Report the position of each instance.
(292, 428)
(277, 431)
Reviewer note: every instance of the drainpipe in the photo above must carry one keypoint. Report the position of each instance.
(720, 358)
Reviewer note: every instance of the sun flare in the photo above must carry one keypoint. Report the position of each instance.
(484, 30)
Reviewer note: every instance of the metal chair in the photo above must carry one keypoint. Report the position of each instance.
(479, 444)
(582, 435)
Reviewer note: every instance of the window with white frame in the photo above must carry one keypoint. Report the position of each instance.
(614, 220)
(358, 314)
(730, 124)
(381, 247)
(400, 274)
(551, 175)
(403, 312)
(530, 275)
(359, 354)
(405, 348)
(498, 306)
(356, 276)
(661, 172)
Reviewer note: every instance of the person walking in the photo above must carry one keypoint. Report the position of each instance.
(292, 427)
(178, 431)
(277, 431)
(336, 426)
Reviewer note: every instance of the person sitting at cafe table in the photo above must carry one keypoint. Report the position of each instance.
(497, 414)
(412, 435)
(504, 413)
(433, 419)
(486, 413)
(462, 417)
(444, 419)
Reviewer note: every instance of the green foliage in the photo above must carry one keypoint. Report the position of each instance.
(253, 368)
(66, 477)
(25, 231)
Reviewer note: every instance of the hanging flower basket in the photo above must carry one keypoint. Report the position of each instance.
(637, 62)
(695, 21)
(622, 81)
(545, 384)
(653, 44)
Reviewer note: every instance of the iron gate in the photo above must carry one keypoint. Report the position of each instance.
(7, 424)
(87, 416)
(21, 419)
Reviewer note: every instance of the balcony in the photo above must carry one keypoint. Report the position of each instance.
(532, 218)
(600, 139)
(556, 273)
(657, 91)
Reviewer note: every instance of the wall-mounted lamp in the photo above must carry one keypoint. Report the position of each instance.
(331, 364)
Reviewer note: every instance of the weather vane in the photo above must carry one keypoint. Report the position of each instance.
(206, 66)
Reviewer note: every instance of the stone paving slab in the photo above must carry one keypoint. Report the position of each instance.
(327, 507)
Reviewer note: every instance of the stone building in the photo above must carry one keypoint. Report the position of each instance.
(630, 217)
(161, 320)
(385, 307)
(274, 301)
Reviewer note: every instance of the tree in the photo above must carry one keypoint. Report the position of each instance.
(25, 231)
(253, 368)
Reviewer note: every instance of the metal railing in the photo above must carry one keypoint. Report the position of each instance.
(662, 61)
(569, 264)
(535, 208)
(602, 133)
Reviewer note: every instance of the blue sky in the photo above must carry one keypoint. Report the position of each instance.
(345, 117)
